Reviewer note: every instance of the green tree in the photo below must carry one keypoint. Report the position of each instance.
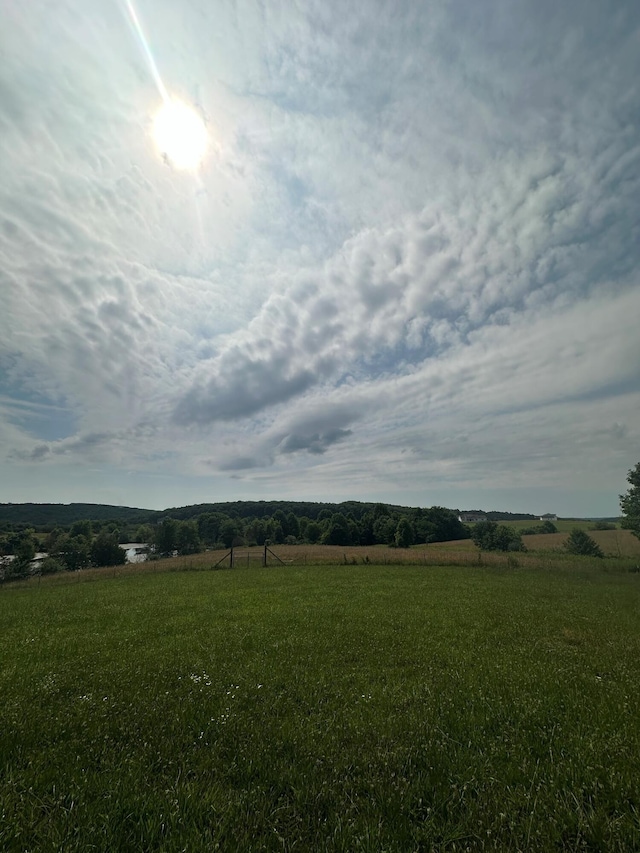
(384, 529)
(25, 548)
(165, 536)
(439, 524)
(144, 533)
(81, 528)
(105, 550)
(338, 532)
(73, 551)
(489, 536)
(404, 533)
(313, 532)
(187, 539)
(293, 525)
(630, 503)
(367, 536)
(280, 518)
(257, 531)
(52, 538)
(230, 531)
(275, 533)
(209, 525)
(579, 542)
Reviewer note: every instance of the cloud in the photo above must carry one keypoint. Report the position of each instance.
(241, 463)
(413, 243)
(316, 443)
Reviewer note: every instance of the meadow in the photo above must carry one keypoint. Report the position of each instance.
(479, 706)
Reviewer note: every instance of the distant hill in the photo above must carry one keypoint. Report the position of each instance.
(262, 509)
(62, 515)
(46, 515)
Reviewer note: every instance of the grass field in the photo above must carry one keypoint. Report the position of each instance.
(328, 708)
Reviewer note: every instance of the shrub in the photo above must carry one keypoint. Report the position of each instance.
(579, 542)
(49, 566)
(489, 536)
(545, 527)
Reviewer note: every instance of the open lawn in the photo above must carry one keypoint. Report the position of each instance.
(323, 708)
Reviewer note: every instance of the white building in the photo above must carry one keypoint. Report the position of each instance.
(471, 517)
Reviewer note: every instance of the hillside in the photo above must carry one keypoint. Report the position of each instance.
(62, 515)
(47, 515)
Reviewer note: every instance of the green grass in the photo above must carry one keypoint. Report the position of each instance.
(353, 708)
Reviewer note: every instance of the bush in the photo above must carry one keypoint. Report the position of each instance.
(545, 527)
(579, 542)
(489, 536)
(49, 566)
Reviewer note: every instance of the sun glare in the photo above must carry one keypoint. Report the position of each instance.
(180, 134)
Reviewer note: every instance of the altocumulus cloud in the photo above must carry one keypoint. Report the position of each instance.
(408, 267)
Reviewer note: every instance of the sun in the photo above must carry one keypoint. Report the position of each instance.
(180, 134)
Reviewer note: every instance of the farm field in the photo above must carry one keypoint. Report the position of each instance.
(614, 543)
(333, 708)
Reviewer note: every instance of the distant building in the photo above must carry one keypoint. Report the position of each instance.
(471, 517)
(549, 516)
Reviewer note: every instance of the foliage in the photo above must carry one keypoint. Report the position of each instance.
(384, 529)
(105, 551)
(438, 524)
(230, 530)
(81, 528)
(166, 536)
(404, 534)
(51, 565)
(630, 502)
(313, 532)
(579, 542)
(183, 537)
(73, 551)
(537, 529)
(338, 532)
(187, 538)
(489, 536)
(25, 549)
(144, 533)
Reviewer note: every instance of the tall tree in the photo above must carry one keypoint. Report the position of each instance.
(73, 551)
(105, 550)
(166, 535)
(404, 533)
(187, 538)
(338, 532)
(630, 503)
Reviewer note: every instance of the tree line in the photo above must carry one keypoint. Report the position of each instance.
(379, 526)
(86, 543)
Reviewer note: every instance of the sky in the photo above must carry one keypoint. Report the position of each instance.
(406, 268)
